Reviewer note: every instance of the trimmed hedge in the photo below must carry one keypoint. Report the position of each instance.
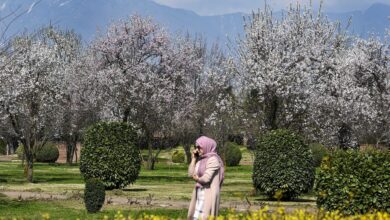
(48, 153)
(354, 182)
(178, 157)
(283, 166)
(110, 154)
(233, 154)
(94, 195)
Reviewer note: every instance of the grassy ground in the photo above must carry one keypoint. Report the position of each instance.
(67, 210)
(167, 184)
(167, 180)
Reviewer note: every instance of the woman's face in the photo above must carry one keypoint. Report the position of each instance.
(200, 150)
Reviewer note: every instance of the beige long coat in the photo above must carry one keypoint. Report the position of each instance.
(211, 183)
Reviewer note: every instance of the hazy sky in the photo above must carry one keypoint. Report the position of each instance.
(213, 7)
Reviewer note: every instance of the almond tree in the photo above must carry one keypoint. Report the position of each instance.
(337, 103)
(31, 90)
(371, 70)
(216, 102)
(6, 21)
(141, 71)
(283, 63)
(81, 105)
(209, 89)
(350, 96)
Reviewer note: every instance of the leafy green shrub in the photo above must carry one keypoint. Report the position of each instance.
(233, 154)
(20, 151)
(319, 151)
(48, 153)
(283, 166)
(110, 154)
(354, 182)
(3, 147)
(178, 157)
(94, 195)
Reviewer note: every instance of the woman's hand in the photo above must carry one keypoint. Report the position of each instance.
(195, 177)
(194, 153)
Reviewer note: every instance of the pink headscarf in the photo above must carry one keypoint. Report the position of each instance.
(209, 147)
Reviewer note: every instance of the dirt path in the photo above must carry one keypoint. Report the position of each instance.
(32, 195)
(150, 202)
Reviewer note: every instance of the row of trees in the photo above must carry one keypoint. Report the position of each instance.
(300, 72)
(307, 74)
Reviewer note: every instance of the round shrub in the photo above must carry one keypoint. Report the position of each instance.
(20, 152)
(48, 153)
(233, 154)
(283, 166)
(94, 195)
(354, 182)
(178, 157)
(319, 151)
(110, 154)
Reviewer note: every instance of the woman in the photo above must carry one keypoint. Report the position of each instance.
(207, 170)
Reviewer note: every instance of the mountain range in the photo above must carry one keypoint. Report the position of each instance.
(87, 17)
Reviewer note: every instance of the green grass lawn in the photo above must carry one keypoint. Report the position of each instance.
(66, 210)
(168, 182)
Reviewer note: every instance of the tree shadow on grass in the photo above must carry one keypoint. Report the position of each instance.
(64, 165)
(164, 178)
(12, 179)
(54, 180)
(135, 190)
(57, 178)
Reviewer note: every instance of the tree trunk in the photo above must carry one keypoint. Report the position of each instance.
(75, 153)
(200, 125)
(345, 137)
(70, 151)
(187, 150)
(151, 159)
(272, 117)
(14, 145)
(222, 150)
(29, 165)
(126, 115)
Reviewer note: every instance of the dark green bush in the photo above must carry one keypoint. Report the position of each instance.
(283, 166)
(94, 195)
(20, 152)
(354, 182)
(48, 153)
(178, 157)
(110, 154)
(319, 151)
(3, 147)
(233, 154)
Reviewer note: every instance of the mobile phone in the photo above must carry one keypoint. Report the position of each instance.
(196, 152)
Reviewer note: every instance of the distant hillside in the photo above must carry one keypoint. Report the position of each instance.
(374, 20)
(87, 16)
